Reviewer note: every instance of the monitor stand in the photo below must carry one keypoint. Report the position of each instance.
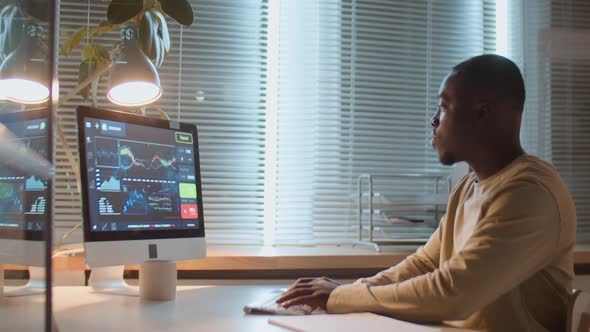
(35, 285)
(109, 280)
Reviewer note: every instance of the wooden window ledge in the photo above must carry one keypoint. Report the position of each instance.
(244, 262)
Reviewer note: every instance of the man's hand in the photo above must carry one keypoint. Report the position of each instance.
(311, 291)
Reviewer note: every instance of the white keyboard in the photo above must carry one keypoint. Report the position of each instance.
(268, 305)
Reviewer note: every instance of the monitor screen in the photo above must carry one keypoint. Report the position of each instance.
(141, 177)
(25, 200)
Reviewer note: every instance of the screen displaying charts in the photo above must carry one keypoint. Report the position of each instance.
(139, 177)
(24, 199)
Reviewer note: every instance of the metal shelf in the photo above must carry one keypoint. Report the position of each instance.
(422, 209)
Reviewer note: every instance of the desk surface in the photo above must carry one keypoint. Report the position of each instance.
(196, 308)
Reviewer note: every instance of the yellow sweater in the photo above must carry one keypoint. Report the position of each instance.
(500, 260)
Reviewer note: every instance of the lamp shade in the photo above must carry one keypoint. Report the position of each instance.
(133, 80)
(25, 71)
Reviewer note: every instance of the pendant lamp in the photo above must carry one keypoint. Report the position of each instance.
(24, 74)
(133, 79)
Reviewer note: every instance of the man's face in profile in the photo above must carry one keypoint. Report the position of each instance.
(454, 134)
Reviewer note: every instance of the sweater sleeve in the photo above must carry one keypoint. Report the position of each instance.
(424, 260)
(514, 240)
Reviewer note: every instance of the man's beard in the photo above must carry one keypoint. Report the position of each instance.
(447, 159)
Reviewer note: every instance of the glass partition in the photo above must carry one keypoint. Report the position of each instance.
(26, 166)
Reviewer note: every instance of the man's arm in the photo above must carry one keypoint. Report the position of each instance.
(425, 259)
(316, 291)
(512, 242)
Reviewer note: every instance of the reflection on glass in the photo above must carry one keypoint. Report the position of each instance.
(24, 193)
(25, 212)
(25, 147)
(24, 70)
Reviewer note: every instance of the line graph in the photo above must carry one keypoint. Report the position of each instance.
(161, 201)
(136, 178)
(106, 152)
(146, 156)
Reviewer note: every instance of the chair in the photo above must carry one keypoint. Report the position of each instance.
(578, 312)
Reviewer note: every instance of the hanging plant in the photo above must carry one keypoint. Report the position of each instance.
(149, 16)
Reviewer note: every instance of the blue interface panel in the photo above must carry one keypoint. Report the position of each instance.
(140, 178)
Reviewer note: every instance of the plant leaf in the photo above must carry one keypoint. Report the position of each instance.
(159, 50)
(146, 34)
(180, 10)
(88, 52)
(103, 27)
(96, 52)
(121, 11)
(101, 54)
(162, 29)
(11, 30)
(75, 39)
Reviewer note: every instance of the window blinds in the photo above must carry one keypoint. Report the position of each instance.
(358, 85)
(569, 85)
(218, 83)
(547, 40)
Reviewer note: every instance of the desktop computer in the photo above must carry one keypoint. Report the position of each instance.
(25, 193)
(141, 193)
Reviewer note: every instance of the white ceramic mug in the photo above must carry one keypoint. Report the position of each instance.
(157, 280)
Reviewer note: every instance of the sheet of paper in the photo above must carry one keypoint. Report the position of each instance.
(352, 323)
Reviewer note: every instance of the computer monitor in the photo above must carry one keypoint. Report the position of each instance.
(25, 193)
(25, 199)
(141, 188)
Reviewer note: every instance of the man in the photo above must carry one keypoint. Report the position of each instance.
(502, 256)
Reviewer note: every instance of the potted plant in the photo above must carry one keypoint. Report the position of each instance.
(148, 17)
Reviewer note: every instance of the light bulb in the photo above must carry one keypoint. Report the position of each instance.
(134, 93)
(133, 80)
(25, 73)
(25, 91)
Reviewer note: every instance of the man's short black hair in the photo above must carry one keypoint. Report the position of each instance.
(493, 75)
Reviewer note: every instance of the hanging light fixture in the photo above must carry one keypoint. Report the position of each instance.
(133, 80)
(24, 74)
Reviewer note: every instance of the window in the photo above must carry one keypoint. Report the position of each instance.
(213, 77)
(568, 83)
(548, 41)
(295, 98)
(358, 85)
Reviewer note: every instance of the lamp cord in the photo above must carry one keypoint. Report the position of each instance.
(179, 77)
(60, 132)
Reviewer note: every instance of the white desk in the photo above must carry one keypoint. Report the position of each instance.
(196, 308)
(25, 313)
